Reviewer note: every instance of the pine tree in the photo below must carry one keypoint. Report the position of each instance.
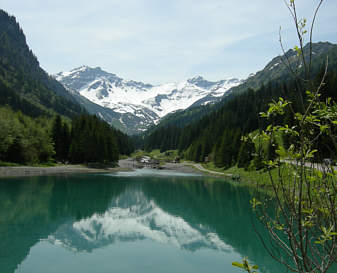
(57, 137)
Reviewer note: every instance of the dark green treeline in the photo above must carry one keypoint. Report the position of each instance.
(24, 139)
(89, 140)
(86, 138)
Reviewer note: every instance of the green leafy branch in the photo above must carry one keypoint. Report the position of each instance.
(246, 266)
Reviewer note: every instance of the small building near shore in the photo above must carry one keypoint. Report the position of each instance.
(176, 159)
(207, 159)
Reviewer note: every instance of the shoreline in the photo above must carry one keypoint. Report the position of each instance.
(123, 165)
(22, 171)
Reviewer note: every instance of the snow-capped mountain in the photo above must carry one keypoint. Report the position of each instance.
(133, 217)
(130, 99)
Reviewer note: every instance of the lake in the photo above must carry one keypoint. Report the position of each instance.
(143, 221)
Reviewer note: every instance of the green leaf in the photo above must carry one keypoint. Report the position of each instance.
(298, 50)
(311, 153)
(255, 203)
(281, 152)
(323, 128)
(237, 264)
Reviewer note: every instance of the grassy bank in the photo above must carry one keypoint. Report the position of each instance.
(255, 179)
(246, 177)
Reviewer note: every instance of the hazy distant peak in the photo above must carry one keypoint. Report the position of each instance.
(196, 79)
(201, 82)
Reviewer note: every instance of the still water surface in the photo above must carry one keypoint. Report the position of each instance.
(144, 221)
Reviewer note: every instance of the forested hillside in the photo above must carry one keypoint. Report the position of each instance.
(218, 135)
(35, 112)
(24, 85)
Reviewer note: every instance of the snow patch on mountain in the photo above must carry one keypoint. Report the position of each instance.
(139, 99)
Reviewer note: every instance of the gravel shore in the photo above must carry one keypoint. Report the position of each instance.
(124, 165)
(35, 171)
(129, 164)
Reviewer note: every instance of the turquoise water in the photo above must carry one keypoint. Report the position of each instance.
(144, 221)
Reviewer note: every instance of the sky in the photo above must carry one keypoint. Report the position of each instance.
(159, 41)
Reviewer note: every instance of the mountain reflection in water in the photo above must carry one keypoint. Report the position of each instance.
(88, 213)
(132, 216)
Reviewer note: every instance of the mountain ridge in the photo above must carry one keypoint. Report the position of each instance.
(277, 70)
(274, 71)
(136, 106)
